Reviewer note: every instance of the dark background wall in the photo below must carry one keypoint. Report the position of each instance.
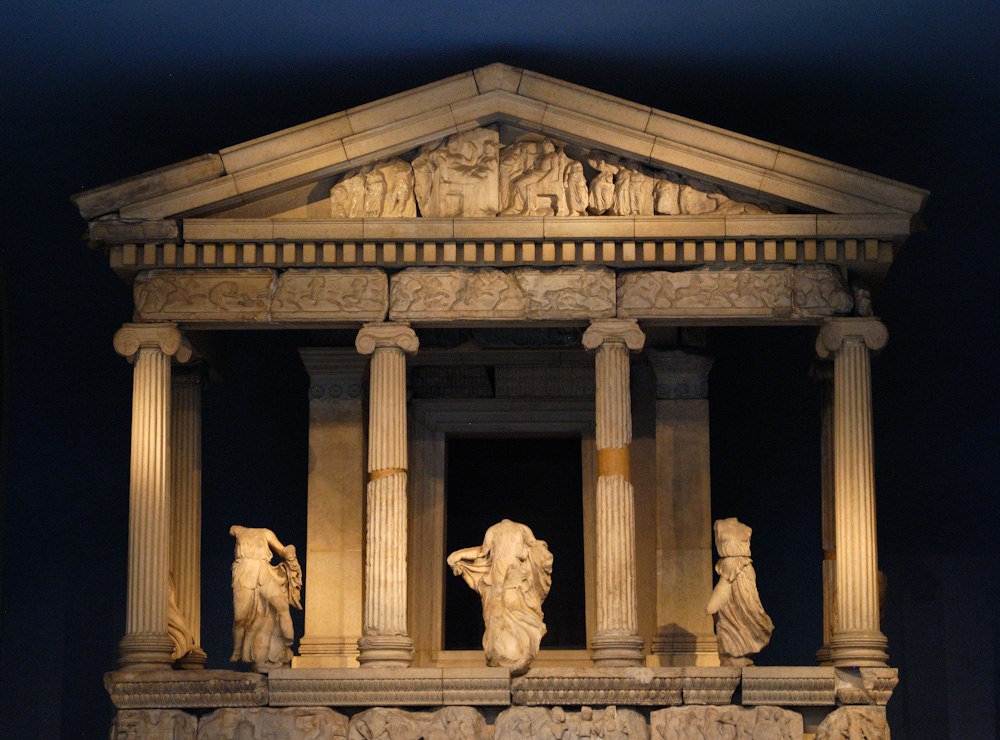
(96, 91)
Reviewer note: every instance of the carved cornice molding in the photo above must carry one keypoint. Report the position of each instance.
(386, 334)
(167, 338)
(680, 374)
(619, 331)
(836, 332)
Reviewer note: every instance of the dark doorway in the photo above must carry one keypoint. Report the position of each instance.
(535, 481)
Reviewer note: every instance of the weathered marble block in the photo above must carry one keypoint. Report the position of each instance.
(575, 686)
(152, 724)
(716, 723)
(331, 295)
(569, 292)
(789, 685)
(184, 689)
(796, 292)
(264, 723)
(453, 723)
(203, 295)
(542, 723)
(854, 723)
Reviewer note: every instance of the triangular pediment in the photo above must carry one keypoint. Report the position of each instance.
(290, 174)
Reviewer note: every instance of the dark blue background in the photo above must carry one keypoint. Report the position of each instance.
(97, 91)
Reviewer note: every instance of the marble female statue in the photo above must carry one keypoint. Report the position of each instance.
(741, 625)
(262, 593)
(512, 572)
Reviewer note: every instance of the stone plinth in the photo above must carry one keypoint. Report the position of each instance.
(165, 689)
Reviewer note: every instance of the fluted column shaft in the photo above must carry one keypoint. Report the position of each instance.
(823, 372)
(617, 642)
(857, 640)
(185, 519)
(146, 643)
(385, 642)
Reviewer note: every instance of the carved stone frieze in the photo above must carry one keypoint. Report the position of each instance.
(458, 176)
(185, 689)
(568, 293)
(450, 723)
(154, 724)
(789, 686)
(264, 723)
(436, 293)
(202, 295)
(542, 723)
(710, 684)
(629, 686)
(722, 723)
(854, 723)
(330, 295)
(866, 685)
(383, 188)
(774, 292)
(538, 179)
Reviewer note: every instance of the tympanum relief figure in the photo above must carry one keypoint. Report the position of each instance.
(383, 188)
(458, 175)
(512, 572)
(741, 625)
(262, 593)
(538, 179)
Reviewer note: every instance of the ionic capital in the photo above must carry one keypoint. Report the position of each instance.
(165, 337)
(386, 334)
(836, 332)
(614, 331)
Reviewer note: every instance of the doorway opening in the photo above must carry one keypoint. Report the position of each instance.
(536, 481)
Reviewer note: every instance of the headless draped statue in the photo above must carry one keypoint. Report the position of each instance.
(512, 572)
(262, 593)
(741, 626)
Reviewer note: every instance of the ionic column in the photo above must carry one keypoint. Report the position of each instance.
(617, 641)
(823, 373)
(146, 643)
(857, 640)
(685, 634)
(185, 508)
(385, 642)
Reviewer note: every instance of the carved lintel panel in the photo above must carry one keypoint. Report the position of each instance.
(154, 724)
(541, 723)
(263, 723)
(330, 295)
(717, 723)
(568, 293)
(446, 294)
(789, 686)
(777, 292)
(200, 295)
(184, 689)
(454, 723)
(854, 723)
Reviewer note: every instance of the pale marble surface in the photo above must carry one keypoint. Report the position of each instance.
(297, 723)
(854, 723)
(262, 594)
(512, 573)
(541, 723)
(722, 723)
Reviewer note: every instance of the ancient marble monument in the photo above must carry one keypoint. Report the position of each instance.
(497, 255)
(512, 573)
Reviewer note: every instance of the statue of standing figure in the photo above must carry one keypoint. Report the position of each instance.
(512, 572)
(262, 593)
(741, 626)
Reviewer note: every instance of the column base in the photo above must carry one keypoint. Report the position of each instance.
(194, 660)
(682, 648)
(617, 650)
(146, 651)
(858, 648)
(385, 651)
(824, 656)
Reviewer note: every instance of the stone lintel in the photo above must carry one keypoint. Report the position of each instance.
(163, 689)
(627, 686)
(789, 685)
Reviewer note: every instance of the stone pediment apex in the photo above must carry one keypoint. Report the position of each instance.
(279, 175)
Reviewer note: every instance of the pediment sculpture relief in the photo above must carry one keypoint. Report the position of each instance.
(471, 175)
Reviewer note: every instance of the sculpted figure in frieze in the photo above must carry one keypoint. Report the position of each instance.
(174, 724)
(450, 723)
(741, 625)
(512, 573)
(541, 723)
(449, 294)
(383, 188)
(854, 723)
(262, 593)
(458, 176)
(821, 290)
(538, 179)
(264, 723)
(725, 723)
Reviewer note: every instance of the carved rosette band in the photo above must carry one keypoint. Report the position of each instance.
(146, 643)
(617, 642)
(385, 642)
(857, 639)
